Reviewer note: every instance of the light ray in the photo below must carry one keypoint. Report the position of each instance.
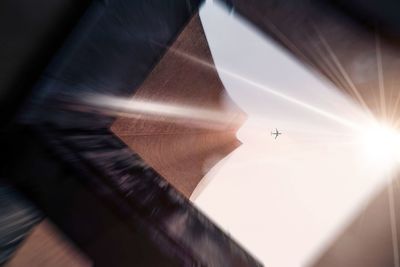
(205, 118)
(271, 91)
(343, 71)
(271, 163)
(393, 223)
(286, 41)
(335, 76)
(396, 123)
(395, 108)
(380, 75)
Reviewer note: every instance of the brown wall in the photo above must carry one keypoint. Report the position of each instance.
(182, 152)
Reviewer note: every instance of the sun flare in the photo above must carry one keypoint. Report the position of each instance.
(382, 145)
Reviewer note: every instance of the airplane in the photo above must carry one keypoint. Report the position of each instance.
(276, 133)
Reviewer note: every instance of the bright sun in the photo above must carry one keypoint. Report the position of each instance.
(382, 145)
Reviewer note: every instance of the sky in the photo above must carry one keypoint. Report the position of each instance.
(284, 200)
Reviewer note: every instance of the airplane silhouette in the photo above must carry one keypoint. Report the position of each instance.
(276, 133)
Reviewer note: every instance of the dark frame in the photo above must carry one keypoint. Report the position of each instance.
(98, 191)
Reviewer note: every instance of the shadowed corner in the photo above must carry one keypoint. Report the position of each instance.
(369, 238)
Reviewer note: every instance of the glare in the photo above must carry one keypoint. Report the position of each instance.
(329, 162)
(178, 113)
(382, 145)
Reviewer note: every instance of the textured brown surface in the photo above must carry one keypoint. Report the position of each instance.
(181, 152)
(46, 247)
